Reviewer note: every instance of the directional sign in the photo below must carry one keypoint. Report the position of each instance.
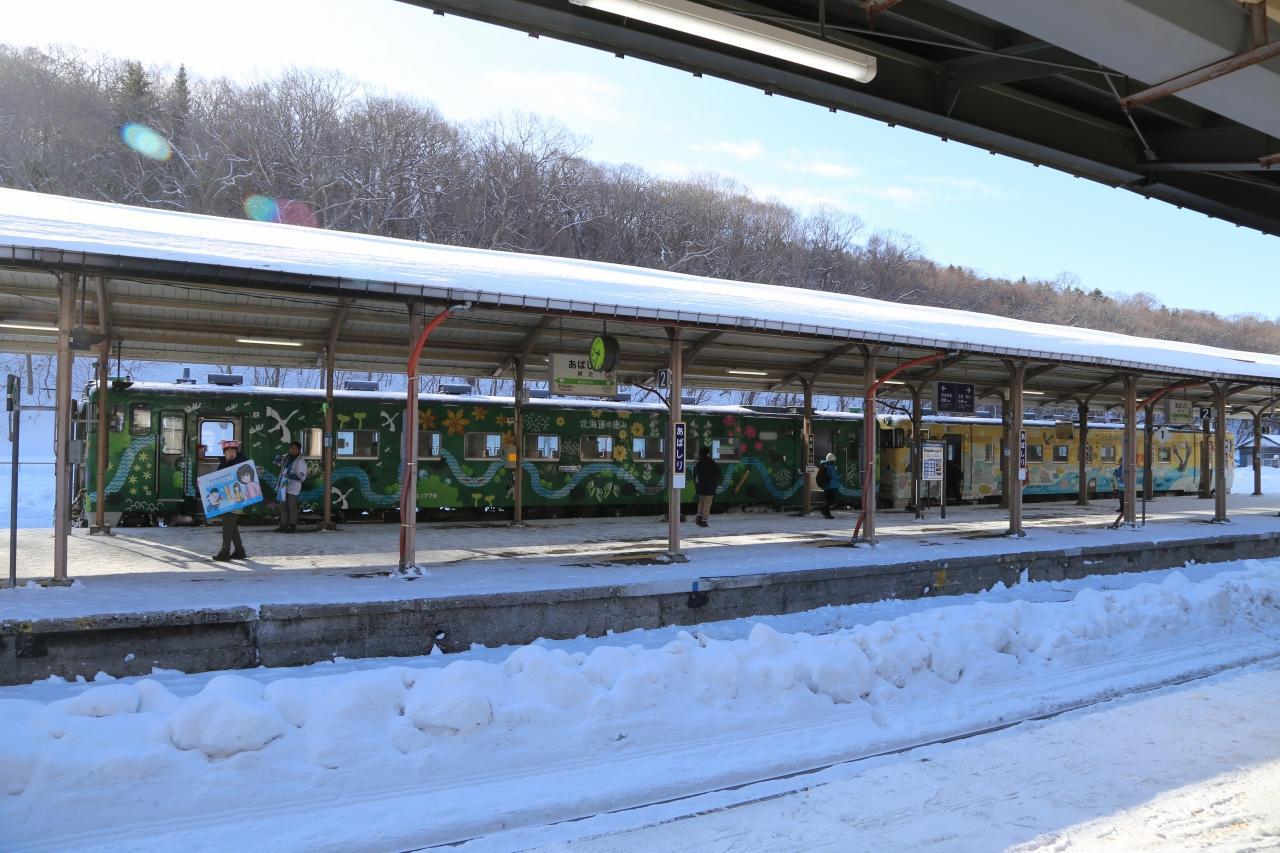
(954, 397)
(677, 468)
(933, 460)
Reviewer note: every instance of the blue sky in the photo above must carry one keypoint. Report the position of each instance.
(960, 204)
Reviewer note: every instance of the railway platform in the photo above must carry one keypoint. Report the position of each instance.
(150, 597)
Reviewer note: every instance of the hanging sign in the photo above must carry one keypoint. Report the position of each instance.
(229, 489)
(677, 467)
(933, 459)
(664, 377)
(571, 374)
(954, 397)
(1022, 455)
(1180, 412)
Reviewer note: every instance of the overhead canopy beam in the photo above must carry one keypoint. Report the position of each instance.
(1203, 74)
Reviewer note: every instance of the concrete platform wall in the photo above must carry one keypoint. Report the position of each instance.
(289, 635)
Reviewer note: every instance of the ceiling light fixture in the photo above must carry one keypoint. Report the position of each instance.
(737, 31)
(268, 342)
(1033, 393)
(744, 372)
(29, 327)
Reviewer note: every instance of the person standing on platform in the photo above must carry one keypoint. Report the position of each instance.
(232, 546)
(293, 471)
(828, 481)
(1119, 475)
(706, 479)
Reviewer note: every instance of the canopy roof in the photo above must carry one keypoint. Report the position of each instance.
(182, 287)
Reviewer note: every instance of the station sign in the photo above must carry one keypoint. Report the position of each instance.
(1022, 455)
(933, 460)
(664, 377)
(571, 375)
(954, 397)
(1180, 412)
(677, 467)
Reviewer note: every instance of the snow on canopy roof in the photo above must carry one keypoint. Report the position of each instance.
(493, 278)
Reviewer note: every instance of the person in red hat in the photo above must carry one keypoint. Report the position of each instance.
(232, 546)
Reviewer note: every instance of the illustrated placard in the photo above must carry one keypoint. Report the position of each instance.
(229, 489)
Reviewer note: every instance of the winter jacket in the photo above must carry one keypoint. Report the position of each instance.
(706, 476)
(826, 478)
(294, 471)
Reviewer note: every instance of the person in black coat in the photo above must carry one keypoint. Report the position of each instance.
(706, 479)
(829, 482)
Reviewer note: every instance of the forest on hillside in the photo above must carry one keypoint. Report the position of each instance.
(349, 160)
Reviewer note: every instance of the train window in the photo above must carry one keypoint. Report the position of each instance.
(1035, 453)
(357, 443)
(595, 448)
(1164, 454)
(542, 448)
(171, 433)
(312, 443)
(988, 452)
(1061, 452)
(721, 449)
(212, 434)
(647, 448)
(428, 444)
(139, 419)
(116, 420)
(891, 438)
(1108, 453)
(482, 445)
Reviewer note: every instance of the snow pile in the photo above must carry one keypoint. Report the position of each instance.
(127, 731)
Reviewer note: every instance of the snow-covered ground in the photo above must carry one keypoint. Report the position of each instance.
(554, 742)
(35, 471)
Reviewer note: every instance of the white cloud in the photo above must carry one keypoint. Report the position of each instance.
(954, 187)
(749, 150)
(822, 167)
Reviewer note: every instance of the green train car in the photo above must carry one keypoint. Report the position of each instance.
(581, 457)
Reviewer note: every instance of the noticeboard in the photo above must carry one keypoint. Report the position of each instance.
(954, 397)
(677, 467)
(1181, 412)
(933, 461)
(229, 489)
(571, 374)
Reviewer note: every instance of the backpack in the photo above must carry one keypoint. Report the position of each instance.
(824, 475)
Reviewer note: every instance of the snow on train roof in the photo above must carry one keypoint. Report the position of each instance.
(494, 278)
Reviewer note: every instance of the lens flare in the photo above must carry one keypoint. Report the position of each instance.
(289, 211)
(263, 208)
(145, 141)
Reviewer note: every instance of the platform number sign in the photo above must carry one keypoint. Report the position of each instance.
(677, 468)
(664, 377)
(1022, 455)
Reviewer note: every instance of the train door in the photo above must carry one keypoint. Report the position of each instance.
(955, 467)
(211, 431)
(171, 459)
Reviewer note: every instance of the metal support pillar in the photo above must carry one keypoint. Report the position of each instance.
(673, 404)
(1006, 450)
(1129, 465)
(62, 428)
(917, 450)
(409, 449)
(1206, 466)
(326, 440)
(869, 371)
(1017, 377)
(1257, 451)
(100, 525)
(1082, 454)
(1220, 453)
(1148, 447)
(806, 441)
(517, 431)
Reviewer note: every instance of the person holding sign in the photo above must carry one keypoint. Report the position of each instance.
(226, 496)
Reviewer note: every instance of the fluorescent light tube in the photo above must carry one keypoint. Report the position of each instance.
(744, 372)
(267, 342)
(1033, 393)
(30, 327)
(737, 31)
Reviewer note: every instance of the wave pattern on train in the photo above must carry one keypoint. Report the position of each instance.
(580, 456)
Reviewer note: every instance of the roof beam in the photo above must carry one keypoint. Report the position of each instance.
(1203, 74)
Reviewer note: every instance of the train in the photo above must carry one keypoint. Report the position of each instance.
(580, 456)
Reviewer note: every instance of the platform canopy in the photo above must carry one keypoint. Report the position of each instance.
(1172, 100)
(179, 287)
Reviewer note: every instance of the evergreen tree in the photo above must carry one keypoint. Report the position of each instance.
(179, 103)
(135, 96)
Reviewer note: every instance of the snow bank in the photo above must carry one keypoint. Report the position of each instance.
(128, 731)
